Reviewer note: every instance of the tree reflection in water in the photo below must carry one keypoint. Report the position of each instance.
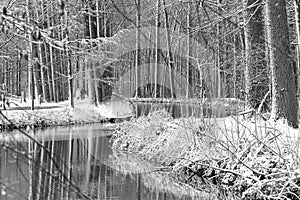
(76, 163)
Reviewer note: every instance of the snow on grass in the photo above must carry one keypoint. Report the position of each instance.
(115, 109)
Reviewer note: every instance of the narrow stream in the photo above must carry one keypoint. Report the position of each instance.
(78, 163)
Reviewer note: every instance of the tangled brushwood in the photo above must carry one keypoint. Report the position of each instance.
(236, 157)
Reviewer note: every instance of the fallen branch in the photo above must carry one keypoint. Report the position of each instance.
(251, 111)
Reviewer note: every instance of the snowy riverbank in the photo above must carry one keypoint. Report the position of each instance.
(60, 114)
(250, 159)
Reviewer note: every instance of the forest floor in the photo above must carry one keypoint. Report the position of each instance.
(246, 157)
(19, 115)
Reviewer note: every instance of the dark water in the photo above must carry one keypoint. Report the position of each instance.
(78, 163)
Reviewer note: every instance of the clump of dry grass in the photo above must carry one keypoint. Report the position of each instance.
(134, 135)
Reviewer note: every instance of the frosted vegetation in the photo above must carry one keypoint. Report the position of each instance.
(250, 159)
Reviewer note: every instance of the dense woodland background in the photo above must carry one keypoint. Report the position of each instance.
(72, 49)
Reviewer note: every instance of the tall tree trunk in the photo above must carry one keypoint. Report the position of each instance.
(99, 84)
(297, 17)
(284, 99)
(53, 82)
(42, 71)
(157, 50)
(40, 57)
(44, 48)
(234, 66)
(188, 54)
(70, 81)
(219, 56)
(90, 33)
(62, 60)
(51, 55)
(82, 64)
(91, 82)
(12, 78)
(256, 71)
(6, 73)
(69, 62)
(30, 61)
(93, 70)
(137, 55)
(18, 78)
(81, 78)
(49, 85)
(170, 56)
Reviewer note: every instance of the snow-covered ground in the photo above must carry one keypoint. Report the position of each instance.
(51, 114)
